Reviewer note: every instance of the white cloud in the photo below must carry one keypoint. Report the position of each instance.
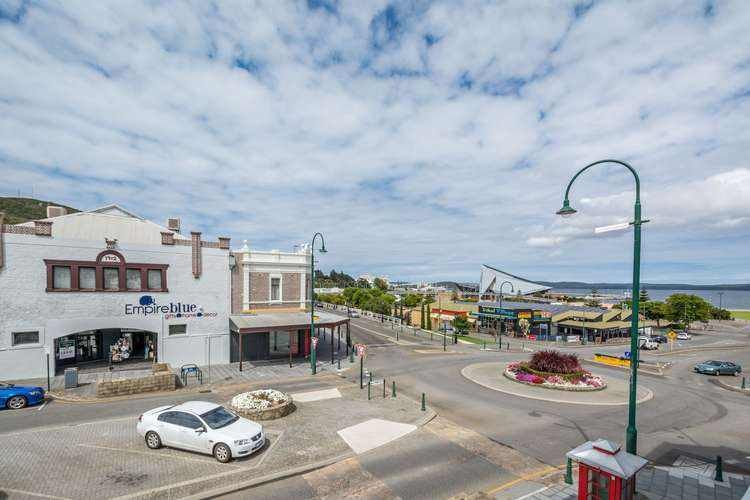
(444, 142)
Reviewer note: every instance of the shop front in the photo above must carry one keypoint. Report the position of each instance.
(112, 346)
(516, 322)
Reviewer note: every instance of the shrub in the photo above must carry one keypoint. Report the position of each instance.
(555, 362)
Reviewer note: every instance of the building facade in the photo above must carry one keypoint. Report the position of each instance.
(107, 287)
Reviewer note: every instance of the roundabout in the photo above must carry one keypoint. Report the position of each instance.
(492, 376)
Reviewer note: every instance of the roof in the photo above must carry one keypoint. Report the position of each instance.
(491, 281)
(603, 325)
(540, 306)
(607, 456)
(252, 323)
(111, 221)
(197, 407)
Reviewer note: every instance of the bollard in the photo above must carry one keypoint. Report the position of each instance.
(507, 346)
(370, 378)
(393, 394)
(383, 388)
(569, 472)
(424, 406)
(314, 362)
(338, 362)
(484, 346)
(361, 372)
(369, 384)
(351, 355)
(719, 472)
(396, 335)
(743, 383)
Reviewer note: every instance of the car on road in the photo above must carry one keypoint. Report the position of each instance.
(353, 314)
(15, 397)
(661, 339)
(718, 368)
(647, 344)
(202, 427)
(683, 336)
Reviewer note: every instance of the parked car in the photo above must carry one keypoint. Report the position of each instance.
(718, 368)
(683, 336)
(353, 314)
(202, 427)
(647, 344)
(660, 339)
(16, 397)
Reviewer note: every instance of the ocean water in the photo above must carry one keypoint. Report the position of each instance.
(732, 299)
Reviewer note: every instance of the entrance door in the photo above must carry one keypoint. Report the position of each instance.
(256, 346)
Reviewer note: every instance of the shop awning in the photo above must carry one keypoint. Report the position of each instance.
(287, 321)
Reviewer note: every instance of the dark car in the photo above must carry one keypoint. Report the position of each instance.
(718, 368)
(16, 397)
(662, 339)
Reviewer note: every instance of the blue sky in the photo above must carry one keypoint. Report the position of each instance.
(422, 138)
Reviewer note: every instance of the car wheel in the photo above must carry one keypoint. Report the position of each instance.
(736, 373)
(716, 373)
(16, 402)
(153, 440)
(222, 453)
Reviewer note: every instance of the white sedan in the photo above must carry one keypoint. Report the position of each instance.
(203, 427)
(683, 336)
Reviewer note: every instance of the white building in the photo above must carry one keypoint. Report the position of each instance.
(105, 286)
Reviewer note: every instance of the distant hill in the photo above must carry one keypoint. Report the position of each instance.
(573, 285)
(18, 210)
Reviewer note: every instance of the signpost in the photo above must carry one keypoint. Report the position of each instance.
(671, 336)
(313, 355)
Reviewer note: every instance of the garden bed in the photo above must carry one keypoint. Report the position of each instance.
(554, 370)
(264, 404)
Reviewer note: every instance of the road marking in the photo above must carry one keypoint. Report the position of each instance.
(68, 426)
(307, 397)
(373, 433)
(39, 495)
(529, 495)
(392, 339)
(43, 405)
(150, 454)
(526, 477)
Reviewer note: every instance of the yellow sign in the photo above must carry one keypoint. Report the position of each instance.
(524, 315)
(672, 334)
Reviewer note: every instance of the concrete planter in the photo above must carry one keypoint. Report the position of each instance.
(272, 413)
(587, 388)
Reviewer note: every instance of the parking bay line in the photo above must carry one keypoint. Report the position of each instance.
(32, 494)
(152, 454)
(67, 426)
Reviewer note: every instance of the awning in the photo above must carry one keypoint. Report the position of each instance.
(288, 321)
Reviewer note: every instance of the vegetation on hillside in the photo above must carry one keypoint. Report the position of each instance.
(18, 210)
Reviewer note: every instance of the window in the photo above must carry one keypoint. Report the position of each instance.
(61, 277)
(23, 338)
(111, 278)
(87, 278)
(275, 288)
(154, 279)
(133, 279)
(170, 417)
(178, 329)
(188, 420)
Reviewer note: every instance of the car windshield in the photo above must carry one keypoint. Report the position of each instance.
(5, 386)
(219, 417)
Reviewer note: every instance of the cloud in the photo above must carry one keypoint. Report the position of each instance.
(422, 138)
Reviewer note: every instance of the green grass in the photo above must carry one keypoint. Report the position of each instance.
(18, 210)
(741, 314)
(473, 340)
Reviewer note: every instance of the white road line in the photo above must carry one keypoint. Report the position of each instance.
(30, 493)
(528, 495)
(150, 454)
(68, 426)
(400, 342)
(43, 405)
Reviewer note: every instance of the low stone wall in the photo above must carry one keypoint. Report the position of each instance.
(162, 381)
(272, 413)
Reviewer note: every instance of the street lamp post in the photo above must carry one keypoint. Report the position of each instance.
(312, 292)
(566, 210)
(499, 342)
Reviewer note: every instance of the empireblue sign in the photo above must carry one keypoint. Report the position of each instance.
(148, 306)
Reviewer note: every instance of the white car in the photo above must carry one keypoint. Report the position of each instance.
(647, 343)
(202, 427)
(353, 314)
(683, 336)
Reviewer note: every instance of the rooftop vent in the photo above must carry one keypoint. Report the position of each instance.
(173, 224)
(53, 211)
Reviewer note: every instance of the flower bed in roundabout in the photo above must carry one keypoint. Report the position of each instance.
(264, 404)
(554, 370)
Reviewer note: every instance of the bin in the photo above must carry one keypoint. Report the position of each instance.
(71, 378)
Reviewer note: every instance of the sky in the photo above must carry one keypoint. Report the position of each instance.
(423, 139)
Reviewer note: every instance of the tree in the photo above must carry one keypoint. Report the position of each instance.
(717, 313)
(594, 292)
(363, 283)
(654, 310)
(461, 324)
(454, 295)
(593, 302)
(380, 284)
(644, 296)
(688, 308)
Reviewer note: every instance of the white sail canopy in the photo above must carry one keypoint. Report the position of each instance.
(492, 279)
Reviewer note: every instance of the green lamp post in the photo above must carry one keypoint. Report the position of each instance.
(567, 210)
(313, 356)
(499, 342)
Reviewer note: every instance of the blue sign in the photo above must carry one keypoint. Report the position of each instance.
(626, 355)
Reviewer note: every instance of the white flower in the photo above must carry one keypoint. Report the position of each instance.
(259, 400)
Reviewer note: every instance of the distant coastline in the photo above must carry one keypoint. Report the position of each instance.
(648, 286)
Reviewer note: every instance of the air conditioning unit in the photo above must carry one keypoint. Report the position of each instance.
(53, 211)
(173, 224)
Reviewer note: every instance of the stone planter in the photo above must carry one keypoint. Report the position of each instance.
(580, 388)
(270, 413)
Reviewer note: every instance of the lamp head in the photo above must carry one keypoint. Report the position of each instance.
(323, 249)
(566, 210)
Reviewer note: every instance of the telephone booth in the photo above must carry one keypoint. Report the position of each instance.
(605, 472)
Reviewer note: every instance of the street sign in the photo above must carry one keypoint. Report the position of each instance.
(613, 227)
(361, 350)
(626, 355)
(314, 341)
(672, 334)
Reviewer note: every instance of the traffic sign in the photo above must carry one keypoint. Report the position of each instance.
(672, 334)
(314, 341)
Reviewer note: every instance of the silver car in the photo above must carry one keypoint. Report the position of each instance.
(202, 427)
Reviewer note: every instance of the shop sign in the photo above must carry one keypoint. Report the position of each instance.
(147, 306)
(498, 311)
(66, 349)
(524, 315)
(110, 258)
(574, 338)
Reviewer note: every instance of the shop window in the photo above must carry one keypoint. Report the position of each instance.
(133, 279)
(24, 338)
(111, 278)
(61, 277)
(177, 329)
(275, 288)
(87, 278)
(154, 279)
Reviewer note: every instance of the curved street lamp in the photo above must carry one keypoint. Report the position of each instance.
(567, 210)
(499, 342)
(312, 295)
